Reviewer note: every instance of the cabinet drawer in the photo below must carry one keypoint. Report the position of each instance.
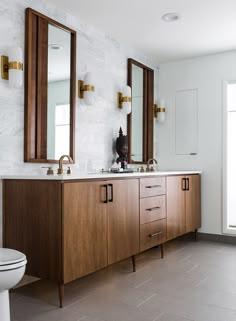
(152, 234)
(152, 209)
(152, 186)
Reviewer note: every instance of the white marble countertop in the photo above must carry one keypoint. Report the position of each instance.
(106, 175)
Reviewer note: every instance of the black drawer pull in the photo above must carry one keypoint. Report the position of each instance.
(154, 234)
(106, 193)
(152, 209)
(111, 188)
(153, 186)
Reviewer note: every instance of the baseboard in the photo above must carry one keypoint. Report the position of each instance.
(217, 238)
(212, 237)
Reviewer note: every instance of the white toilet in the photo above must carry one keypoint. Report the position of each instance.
(12, 269)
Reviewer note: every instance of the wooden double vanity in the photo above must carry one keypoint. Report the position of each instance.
(69, 227)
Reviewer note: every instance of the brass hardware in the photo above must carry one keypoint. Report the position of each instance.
(15, 65)
(157, 110)
(82, 88)
(49, 171)
(148, 163)
(154, 234)
(121, 99)
(6, 65)
(60, 169)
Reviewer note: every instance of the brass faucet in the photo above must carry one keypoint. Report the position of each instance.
(148, 169)
(60, 168)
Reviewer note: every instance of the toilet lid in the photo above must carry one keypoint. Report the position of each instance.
(9, 256)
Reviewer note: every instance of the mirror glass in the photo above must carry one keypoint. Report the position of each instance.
(140, 121)
(137, 114)
(58, 111)
(50, 89)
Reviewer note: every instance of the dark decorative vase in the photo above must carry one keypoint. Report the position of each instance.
(122, 149)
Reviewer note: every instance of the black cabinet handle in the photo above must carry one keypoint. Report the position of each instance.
(152, 186)
(106, 193)
(154, 234)
(111, 189)
(152, 209)
(187, 184)
(183, 184)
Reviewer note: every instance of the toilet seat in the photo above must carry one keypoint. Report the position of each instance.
(11, 259)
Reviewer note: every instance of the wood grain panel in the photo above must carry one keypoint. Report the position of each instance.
(123, 220)
(85, 229)
(152, 208)
(152, 234)
(152, 186)
(193, 201)
(175, 208)
(32, 224)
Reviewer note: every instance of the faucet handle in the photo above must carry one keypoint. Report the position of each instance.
(49, 171)
(69, 171)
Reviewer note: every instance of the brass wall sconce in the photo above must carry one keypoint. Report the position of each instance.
(12, 67)
(86, 91)
(124, 100)
(160, 111)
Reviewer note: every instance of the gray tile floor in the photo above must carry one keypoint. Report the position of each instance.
(195, 281)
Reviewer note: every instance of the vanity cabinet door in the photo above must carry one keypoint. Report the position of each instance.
(84, 228)
(183, 205)
(193, 201)
(123, 219)
(176, 220)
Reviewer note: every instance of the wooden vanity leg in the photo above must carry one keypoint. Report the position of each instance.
(61, 293)
(134, 263)
(196, 235)
(162, 250)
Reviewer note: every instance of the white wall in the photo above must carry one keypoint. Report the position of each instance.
(207, 75)
(96, 126)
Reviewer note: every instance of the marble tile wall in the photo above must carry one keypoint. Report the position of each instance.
(97, 126)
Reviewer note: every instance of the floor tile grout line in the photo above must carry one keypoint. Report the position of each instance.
(185, 258)
(141, 303)
(201, 282)
(84, 317)
(179, 250)
(159, 316)
(70, 305)
(138, 286)
(193, 268)
(221, 250)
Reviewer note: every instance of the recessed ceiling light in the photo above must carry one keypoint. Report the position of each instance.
(170, 17)
(55, 46)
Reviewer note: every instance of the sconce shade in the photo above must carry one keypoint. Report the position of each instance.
(161, 116)
(87, 90)
(15, 67)
(160, 111)
(124, 98)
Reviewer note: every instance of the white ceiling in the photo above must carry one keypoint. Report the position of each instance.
(205, 27)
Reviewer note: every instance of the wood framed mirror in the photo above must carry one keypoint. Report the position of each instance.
(50, 76)
(140, 121)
